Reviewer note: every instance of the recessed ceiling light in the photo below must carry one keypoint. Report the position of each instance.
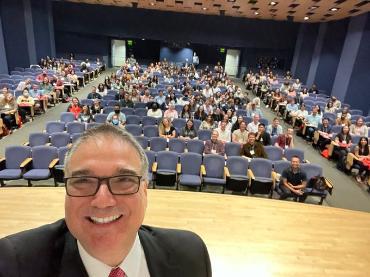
(143, 39)
(306, 18)
(313, 7)
(273, 3)
(204, 8)
(152, 3)
(334, 9)
(256, 13)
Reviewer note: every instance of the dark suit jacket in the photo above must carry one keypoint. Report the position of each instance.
(51, 250)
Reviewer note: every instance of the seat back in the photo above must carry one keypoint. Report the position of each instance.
(148, 120)
(134, 129)
(280, 166)
(75, 127)
(190, 163)
(178, 123)
(133, 119)
(54, 127)
(36, 139)
(237, 166)
(261, 167)
(60, 139)
(232, 149)
(67, 117)
(92, 125)
(62, 151)
(166, 160)
(141, 112)
(151, 159)
(143, 141)
(128, 111)
(158, 144)
(311, 170)
(151, 131)
(204, 135)
(274, 153)
(176, 145)
(195, 146)
(43, 155)
(290, 152)
(214, 165)
(100, 118)
(15, 155)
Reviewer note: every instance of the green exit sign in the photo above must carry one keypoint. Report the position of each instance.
(130, 43)
(222, 50)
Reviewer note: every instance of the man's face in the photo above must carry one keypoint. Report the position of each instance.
(295, 163)
(214, 136)
(290, 132)
(261, 129)
(276, 122)
(251, 139)
(110, 157)
(256, 118)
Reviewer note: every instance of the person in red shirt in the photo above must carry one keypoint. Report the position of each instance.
(75, 107)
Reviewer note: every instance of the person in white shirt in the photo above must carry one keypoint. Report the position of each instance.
(155, 111)
(253, 126)
(207, 91)
(223, 133)
(171, 113)
(102, 233)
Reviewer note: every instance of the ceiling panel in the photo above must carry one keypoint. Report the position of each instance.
(293, 10)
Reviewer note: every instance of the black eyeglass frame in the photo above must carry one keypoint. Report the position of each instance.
(99, 179)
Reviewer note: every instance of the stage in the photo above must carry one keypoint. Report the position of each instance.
(245, 236)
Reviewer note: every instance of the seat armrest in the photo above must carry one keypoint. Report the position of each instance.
(329, 184)
(26, 143)
(178, 168)
(25, 162)
(250, 174)
(53, 163)
(2, 163)
(226, 172)
(154, 167)
(203, 170)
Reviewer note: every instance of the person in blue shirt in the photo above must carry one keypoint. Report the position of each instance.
(312, 123)
(290, 107)
(160, 99)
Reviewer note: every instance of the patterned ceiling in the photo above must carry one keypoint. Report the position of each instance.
(292, 10)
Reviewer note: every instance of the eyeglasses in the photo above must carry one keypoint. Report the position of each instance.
(83, 186)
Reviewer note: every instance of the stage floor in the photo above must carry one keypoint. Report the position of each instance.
(245, 236)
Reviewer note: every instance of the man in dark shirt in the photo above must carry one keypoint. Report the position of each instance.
(253, 149)
(214, 145)
(293, 181)
(93, 94)
(262, 136)
(126, 102)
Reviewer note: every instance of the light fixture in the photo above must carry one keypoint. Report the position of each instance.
(313, 7)
(256, 13)
(334, 9)
(306, 18)
(273, 3)
(152, 3)
(204, 8)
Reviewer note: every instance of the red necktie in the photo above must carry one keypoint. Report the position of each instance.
(117, 272)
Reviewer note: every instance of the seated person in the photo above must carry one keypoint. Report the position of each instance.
(293, 181)
(359, 128)
(25, 105)
(253, 148)
(341, 146)
(291, 109)
(186, 112)
(75, 107)
(8, 111)
(253, 126)
(299, 117)
(325, 135)
(214, 145)
(171, 113)
(312, 123)
(285, 141)
(41, 100)
(274, 129)
(154, 111)
(241, 135)
(188, 131)
(207, 124)
(356, 159)
(126, 101)
(253, 110)
(224, 133)
(262, 136)
(96, 107)
(342, 121)
(85, 115)
(345, 112)
(94, 94)
(166, 130)
(117, 118)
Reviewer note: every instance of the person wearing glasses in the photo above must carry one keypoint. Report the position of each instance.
(102, 232)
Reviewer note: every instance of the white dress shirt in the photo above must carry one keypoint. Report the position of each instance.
(134, 265)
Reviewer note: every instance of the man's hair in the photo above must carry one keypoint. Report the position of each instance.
(262, 124)
(297, 157)
(251, 134)
(107, 130)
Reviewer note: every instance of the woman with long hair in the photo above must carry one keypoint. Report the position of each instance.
(207, 124)
(362, 160)
(188, 131)
(166, 130)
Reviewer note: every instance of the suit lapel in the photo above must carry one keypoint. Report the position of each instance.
(158, 258)
(71, 263)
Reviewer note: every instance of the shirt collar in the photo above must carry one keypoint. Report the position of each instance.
(130, 265)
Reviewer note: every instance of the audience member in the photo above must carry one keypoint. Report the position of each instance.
(25, 105)
(207, 124)
(262, 136)
(253, 126)
(117, 118)
(214, 145)
(285, 141)
(8, 111)
(165, 128)
(359, 128)
(188, 132)
(224, 133)
(252, 148)
(94, 94)
(155, 111)
(96, 107)
(312, 123)
(75, 107)
(240, 135)
(171, 113)
(85, 115)
(274, 129)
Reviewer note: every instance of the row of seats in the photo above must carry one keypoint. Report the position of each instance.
(258, 176)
